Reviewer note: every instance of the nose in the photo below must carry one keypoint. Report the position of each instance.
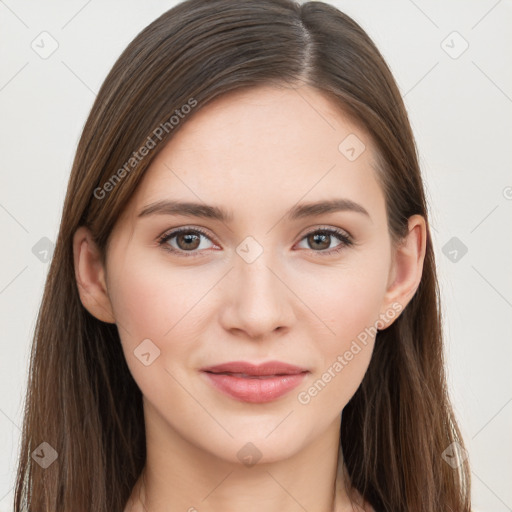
(257, 301)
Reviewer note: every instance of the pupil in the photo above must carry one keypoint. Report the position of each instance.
(323, 238)
(189, 238)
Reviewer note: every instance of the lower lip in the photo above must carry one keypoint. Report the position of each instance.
(255, 390)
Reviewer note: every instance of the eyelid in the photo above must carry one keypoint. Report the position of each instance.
(179, 229)
(325, 227)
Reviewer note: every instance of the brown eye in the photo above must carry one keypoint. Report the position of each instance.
(319, 241)
(185, 241)
(188, 241)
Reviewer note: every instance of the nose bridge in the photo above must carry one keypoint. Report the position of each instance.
(254, 269)
(260, 299)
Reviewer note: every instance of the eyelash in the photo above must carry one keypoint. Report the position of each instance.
(345, 239)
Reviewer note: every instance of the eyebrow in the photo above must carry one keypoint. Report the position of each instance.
(299, 211)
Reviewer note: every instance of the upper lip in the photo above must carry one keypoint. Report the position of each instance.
(246, 368)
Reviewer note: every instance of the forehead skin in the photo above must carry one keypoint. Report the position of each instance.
(260, 151)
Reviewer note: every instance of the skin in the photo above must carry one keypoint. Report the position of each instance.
(257, 153)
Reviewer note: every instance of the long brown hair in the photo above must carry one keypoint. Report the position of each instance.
(81, 398)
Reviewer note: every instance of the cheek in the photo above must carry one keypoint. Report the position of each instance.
(151, 302)
(345, 353)
(347, 299)
(350, 306)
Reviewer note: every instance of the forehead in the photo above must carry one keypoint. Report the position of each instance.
(263, 147)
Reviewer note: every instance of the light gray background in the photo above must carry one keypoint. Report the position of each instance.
(460, 108)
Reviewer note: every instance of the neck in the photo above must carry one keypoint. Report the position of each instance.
(179, 476)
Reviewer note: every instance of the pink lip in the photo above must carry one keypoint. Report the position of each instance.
(255, 383)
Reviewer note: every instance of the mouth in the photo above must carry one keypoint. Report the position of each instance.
(248, 376)
(251, 383)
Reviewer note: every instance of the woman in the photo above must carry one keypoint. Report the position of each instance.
(242, 308)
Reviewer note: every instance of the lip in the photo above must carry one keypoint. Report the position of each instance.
(247, 382)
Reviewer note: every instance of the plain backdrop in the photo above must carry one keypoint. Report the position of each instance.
(452, 62)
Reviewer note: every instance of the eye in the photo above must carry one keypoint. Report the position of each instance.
(321, 239)
(188, 241)
(184, 240)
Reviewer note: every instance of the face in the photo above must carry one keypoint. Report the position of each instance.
(271, 281)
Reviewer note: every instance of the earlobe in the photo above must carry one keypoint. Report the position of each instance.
(90, 276)
(407, 267)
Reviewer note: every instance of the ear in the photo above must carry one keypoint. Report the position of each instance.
(407, 265)
(90, 276)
